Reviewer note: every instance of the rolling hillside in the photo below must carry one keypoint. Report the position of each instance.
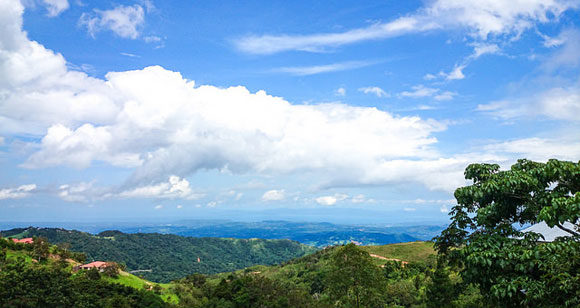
(166, 257)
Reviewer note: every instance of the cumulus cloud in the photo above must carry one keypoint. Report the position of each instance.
(124, 21)
(481, 19)
(374, 90)
(331, 200)
(274, 195)
(163, 126)
(17, 192)
(55, 7)
(158, 207)
(78, 148)
(340, 91)
(175, 187)
(79, 192)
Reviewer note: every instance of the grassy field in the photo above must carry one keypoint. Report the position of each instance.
(133, 281)
(410, 252)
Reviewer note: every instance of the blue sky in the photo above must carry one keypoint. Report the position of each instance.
(350, 112)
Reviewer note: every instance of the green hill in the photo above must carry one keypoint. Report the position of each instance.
(337, 276)
(407, 252)
(168, 256)
(42, 275)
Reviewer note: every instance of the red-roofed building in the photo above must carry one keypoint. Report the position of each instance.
(100, 265)
(27, 240)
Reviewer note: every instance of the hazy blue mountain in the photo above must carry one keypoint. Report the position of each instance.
(318, 234)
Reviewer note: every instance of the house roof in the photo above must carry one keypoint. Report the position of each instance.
(550, 234)
(27, 240)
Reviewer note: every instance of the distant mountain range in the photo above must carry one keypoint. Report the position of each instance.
(318, 234)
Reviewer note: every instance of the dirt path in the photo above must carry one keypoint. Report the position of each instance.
(388, 259)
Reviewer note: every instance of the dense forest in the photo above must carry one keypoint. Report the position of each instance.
(168, 256)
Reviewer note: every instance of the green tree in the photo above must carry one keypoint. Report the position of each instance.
(353, 279)
(40, 248)
(513, 269)
(441, 291)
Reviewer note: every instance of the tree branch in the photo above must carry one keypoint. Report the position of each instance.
(567, 230)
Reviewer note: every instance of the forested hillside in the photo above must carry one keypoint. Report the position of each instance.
(42, 275)
(168, 256)
(339, 276)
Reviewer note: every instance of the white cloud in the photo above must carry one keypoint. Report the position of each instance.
(419, 91)
(331, 200)
(423, 201)
(121, 121)
(374, 90)
(445, 96)
(360, 198)
(175, 187)
(481, 19)
(2, 141)
(340, 91)
(552, 41)
(274, 195)
(557, 103)
(319, 69)
(62, 146)
(80, 192)
(568, 55)
(429, 77)
(55, 7)
(409, 209)
(179, 206)
(443, 209)
(18, 192)
(125, 21)
(158, 207)
(152, 39)
(130, 55)
(480, 49)
(539, 149)
(455, 74)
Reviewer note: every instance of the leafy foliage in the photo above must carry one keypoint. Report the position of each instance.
(353, 278)
(340, 276)
(46, 283)
(513, 269)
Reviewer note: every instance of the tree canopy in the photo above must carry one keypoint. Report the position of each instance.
(510, 267)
